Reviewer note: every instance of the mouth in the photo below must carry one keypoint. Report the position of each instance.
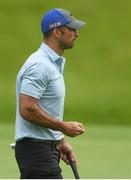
(74, 39)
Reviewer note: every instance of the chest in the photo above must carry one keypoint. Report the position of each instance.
(56, 86)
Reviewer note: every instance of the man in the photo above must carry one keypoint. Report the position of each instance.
(40, 92)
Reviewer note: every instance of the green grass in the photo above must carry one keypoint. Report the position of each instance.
(102, 152)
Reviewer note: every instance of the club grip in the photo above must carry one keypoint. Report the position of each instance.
(74, 169)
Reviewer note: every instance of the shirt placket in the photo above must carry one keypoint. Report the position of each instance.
(59, 64)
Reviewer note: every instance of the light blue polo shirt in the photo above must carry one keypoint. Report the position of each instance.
(41, 77)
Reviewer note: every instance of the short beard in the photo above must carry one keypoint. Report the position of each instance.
(65, 46)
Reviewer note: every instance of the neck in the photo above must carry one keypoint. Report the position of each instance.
(55, 46)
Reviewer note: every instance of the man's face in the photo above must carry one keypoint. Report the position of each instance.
(67, 37)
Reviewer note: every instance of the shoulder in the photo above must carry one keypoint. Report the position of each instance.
(38, 62)
(38, 57)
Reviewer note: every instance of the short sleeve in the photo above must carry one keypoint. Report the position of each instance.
(34, 81)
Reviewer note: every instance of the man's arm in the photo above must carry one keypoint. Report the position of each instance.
(31, 111)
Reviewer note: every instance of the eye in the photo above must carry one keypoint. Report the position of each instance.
(71, 29)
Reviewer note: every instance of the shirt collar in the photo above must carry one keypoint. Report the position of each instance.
(51, 53)
(59, 60)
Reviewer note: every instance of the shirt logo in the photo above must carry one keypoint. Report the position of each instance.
(54, 25)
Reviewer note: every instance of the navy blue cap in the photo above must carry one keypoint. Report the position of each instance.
(59, 17)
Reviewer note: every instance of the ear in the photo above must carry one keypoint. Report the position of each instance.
(56, 32)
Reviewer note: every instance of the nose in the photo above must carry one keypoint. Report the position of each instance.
(76, 34)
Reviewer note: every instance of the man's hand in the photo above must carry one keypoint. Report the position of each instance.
(66, 152)
(73, 129)
(31, 111)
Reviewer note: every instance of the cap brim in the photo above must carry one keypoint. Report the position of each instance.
(76, 24)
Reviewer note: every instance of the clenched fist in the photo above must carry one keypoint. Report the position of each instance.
(73, 128)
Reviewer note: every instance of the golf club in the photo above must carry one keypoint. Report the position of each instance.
(12, 145)
(74, 169)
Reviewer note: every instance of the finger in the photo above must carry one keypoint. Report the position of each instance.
(66, 159)
(79, 130)
(82, 130)
(81, 125)
(76, 164)
(73, 158)
(76, 133)
(62, 156)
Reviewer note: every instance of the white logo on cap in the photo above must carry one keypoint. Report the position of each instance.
(54, 25)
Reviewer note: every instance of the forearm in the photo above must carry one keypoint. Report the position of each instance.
(31, 111)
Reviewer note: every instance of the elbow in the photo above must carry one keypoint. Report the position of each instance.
(26, 112)
(27, 107)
